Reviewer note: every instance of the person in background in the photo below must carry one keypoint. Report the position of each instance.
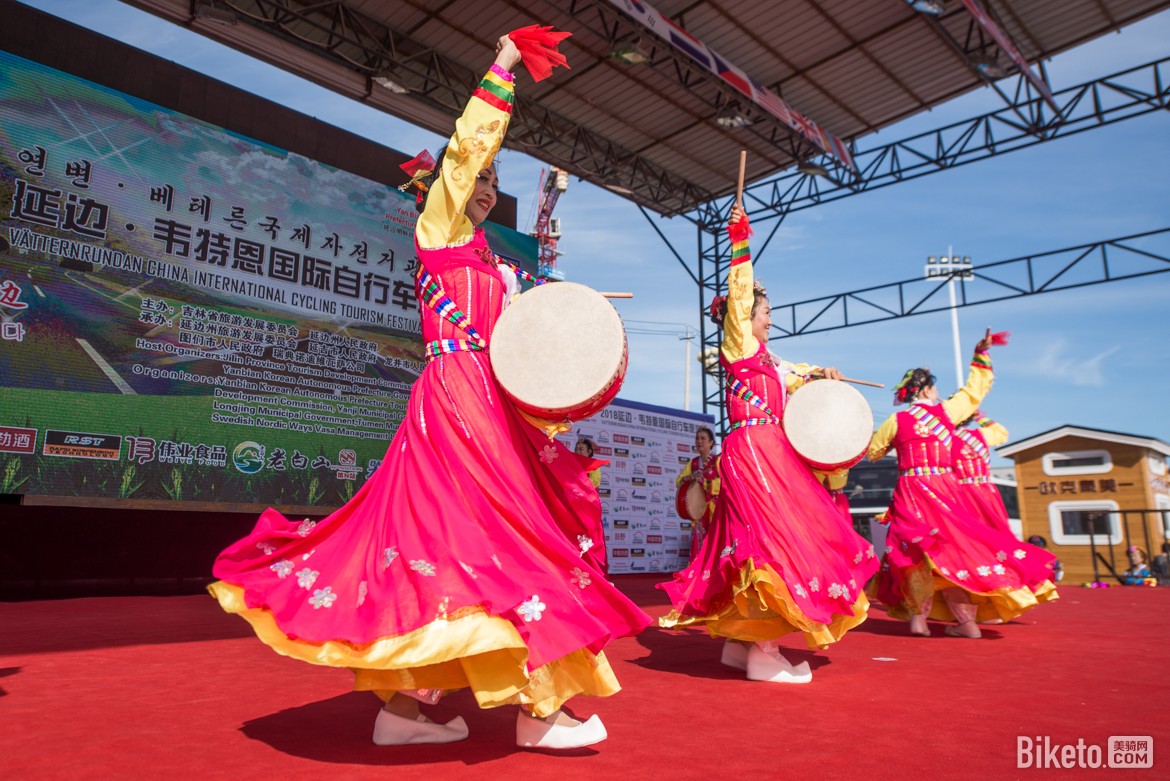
(704, 470)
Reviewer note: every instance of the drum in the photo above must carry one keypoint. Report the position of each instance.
(691, 501)
(829, 424)
(559, 351)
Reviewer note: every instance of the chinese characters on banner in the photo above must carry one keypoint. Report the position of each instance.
(192, 315)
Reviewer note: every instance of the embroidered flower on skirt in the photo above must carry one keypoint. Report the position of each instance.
(549, 454)
(388, 556)
(267, 547)
(323, 597)
(363, 590)
(282, 568)
(307, 577)
(580, 578)
(814, 585)
(584, 542)
(1019, 553)
(306, 527)
(983, 571)
(962, 574)
(531, 609)
(423, 567)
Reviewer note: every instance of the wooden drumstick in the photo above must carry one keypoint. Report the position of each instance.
(863, 382)
(616, 295)
(739, 187)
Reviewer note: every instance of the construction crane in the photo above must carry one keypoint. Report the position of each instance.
(553, 182)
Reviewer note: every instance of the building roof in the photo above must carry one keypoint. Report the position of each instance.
(664, 133)
(1055, 434)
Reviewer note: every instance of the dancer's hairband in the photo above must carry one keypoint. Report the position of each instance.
(908, 388)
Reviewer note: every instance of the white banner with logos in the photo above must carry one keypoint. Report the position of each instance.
(646, 446)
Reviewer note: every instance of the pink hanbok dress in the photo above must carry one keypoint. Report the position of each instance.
(936, 539)
(473, 556)
(973, 471)
(779, 556)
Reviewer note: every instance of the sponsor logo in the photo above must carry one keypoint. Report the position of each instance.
(685, 526)
(623, 452)
(623, 495)
(653, 539)
(656, 496)
(602, 450)
(603, 437)
(640, 495)
(682, 448)
(683, 460)
(18, 440)
(248, 457)
(638, 481)
(655, 524)
(621, 439)
(372, 466)
(637, 566)
(604, 479)
(639, 469)
(639, 538)
(655, 565)
(621, 508)
(76, 444)
(655, 459)
(347, 458)
(653, 470)
(619, 536)
(638, 508)
(620, 523)
(638, 441)
(637, 553)
(603, 492)
(621, 553)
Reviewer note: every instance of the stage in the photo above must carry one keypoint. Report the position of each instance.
(151, 687)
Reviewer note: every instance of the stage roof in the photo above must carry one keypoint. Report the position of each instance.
(665, 133)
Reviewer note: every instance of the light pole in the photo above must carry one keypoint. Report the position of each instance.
(952, 267)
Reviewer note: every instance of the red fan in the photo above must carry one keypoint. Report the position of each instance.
(422, 163)
(1000, 338)
(538, 49)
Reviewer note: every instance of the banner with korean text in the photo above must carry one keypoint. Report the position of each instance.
(647, 447)
(187, 314)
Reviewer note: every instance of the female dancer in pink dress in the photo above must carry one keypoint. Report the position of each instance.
(936, 542)
(779, 557)
(704, 469)
(974, 439)
(460, 562)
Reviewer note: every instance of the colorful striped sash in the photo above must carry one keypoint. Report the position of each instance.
(741, 391)
(977, 480)
(933, 425)
(974, 443)
(754, 422)
(521, 272)
(432, 294)
(924, 471)
(439, 347)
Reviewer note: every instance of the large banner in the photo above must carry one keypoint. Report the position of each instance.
(647, 447)
(188, 314)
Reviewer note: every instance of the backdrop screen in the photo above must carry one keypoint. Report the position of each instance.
(189, 314)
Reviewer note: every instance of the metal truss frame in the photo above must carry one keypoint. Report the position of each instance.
(1027, 122)
(336, 32)
(1109, 260)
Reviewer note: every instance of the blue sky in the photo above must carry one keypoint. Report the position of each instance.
(1096, 356)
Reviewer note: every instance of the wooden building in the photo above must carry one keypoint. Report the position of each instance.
(1092, 493)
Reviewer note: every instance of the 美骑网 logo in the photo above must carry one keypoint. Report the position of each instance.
(248, 457)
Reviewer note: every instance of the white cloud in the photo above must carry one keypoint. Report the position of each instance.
(1060, 364)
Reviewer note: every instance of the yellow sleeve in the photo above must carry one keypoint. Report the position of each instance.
(683, 475)
(795, 374)
(994, 433)
(738, 341)
(478, 135)
(879, 445)
(595, 478)
(967, 399)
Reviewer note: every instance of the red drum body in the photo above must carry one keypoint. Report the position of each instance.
(690, 502)
(559, 351)
(829, 424)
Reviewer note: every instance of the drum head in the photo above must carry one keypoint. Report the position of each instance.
(829, 423)
(696, 501)
(557, 346)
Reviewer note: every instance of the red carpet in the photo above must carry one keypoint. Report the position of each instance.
(143, 688)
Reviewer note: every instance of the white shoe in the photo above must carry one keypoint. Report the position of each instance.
(393, 730)
(765, 663)
(734, 655)
(532, 732)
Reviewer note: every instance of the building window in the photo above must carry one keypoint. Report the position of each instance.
(1078, 462)
(1071, 523)
(1162, 503)
(1158, 464)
